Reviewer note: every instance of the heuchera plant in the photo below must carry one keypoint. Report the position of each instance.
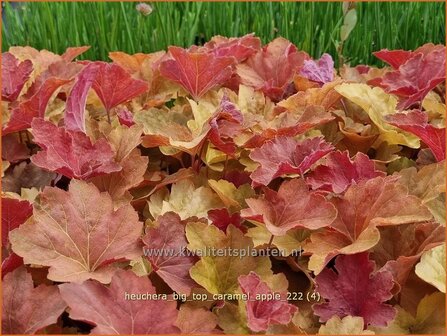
(228, 188)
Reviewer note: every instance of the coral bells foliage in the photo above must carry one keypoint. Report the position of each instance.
(141, 195)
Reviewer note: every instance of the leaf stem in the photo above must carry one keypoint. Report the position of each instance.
(297, 267)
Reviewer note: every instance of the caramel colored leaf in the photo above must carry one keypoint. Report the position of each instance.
(429, 318)
(378, 104)
(196, 321)
(78, 234)
(218, 273)
(365, 206)
(292, 206)
(186, 200)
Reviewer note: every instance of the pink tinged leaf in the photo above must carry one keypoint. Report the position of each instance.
(263, 313)
(23, 309)
(355, 290)
(114, 85)
(415, 78)
(112, 311)
(197, 72)
(292, 206)
(13, 150)
(224, 125)
(14, 76)
(167, 244)
(285, 155)
(416, 122)
(240, 48)
(289, 125)
(71, 53)
(78, 234)
(34, 106)
(222, 219)
(71, 153)
(321, 71)
(125, 117)
(339, 172)
(14, 213)
(272, 68)
(75, 107)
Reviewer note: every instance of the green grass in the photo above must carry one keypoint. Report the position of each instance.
(313, 27)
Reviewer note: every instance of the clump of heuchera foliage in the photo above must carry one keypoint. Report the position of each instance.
(230, 145)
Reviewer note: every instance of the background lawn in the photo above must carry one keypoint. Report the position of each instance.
(313, 27)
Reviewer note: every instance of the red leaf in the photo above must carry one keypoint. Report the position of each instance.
(71, 153)
(34, 102)
(225, 124)
(13, 150)
(415, 78)
(34, 106)
(23, 309)
(10, 263)
(292, 206)
(197, 72)
(263, 313)
(14, 76)
(14, 213)
(239, 47)
(416, 122)
(286, 155)
(321, 71)
(396, 58)
(114, 85)
(339, 172)
(75, 107)
(272, 69)
(125, 117)
(112, 312)
(237, 177)
(166, 243)
(222, 219)
(355, 290)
